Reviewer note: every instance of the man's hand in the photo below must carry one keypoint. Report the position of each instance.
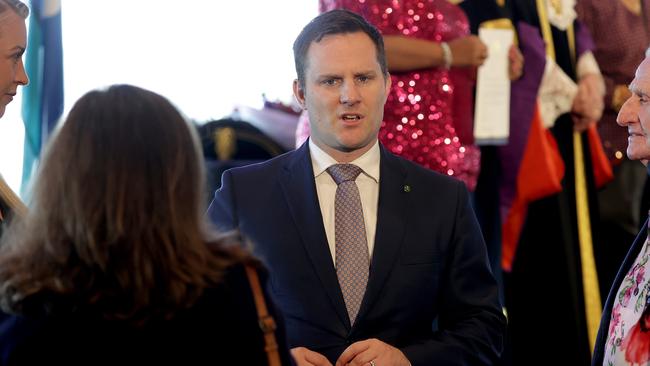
(381, 354)
(588, 104)
(306, 357)
(515, 63)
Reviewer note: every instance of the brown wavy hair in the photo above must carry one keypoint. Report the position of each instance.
(116, 221)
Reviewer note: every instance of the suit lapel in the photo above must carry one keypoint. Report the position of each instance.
(391, 224)
(299, 190)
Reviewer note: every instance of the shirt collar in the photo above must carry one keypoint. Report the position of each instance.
(368, 162)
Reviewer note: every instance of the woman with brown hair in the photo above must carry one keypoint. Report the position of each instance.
(114, 261)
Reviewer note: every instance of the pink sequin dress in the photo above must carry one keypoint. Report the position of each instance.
(428, 115)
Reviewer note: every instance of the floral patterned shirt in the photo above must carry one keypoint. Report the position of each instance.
(628, 340)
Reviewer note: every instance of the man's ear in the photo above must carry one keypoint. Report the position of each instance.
(299, 94)
(387, 86)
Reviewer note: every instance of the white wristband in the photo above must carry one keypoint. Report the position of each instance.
(447, 56)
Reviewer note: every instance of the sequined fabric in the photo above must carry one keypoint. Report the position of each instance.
(427, 118)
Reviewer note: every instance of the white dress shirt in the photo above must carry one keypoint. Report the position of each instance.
(368, 183)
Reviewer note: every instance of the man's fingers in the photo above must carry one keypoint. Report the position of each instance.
(317, 359)
(372, 350)
(581, 123)
(306, 357)
(352, 351)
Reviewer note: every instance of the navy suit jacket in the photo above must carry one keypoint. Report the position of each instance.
(430, 292)
(603, 331)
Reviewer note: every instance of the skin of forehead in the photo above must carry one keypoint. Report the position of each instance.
(641, 82)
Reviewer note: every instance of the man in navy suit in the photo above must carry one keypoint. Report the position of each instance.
(628, 303)
(429, 296)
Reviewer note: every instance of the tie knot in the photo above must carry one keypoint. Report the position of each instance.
(344, 172)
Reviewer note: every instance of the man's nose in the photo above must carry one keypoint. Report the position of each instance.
(627, 114)
(349, 93)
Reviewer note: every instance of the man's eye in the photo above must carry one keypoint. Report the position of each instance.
(329, 82)
(363, 79)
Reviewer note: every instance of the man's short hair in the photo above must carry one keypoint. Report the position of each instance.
(331, 23)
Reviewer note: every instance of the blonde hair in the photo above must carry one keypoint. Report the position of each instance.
(17, 6)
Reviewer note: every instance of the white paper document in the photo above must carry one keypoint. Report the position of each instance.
(492, 110)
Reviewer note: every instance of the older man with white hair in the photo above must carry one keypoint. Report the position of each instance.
(624, 335)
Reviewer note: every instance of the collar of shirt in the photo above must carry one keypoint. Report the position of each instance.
(368, 162)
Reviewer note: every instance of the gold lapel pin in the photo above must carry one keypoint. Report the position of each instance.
(407, 188)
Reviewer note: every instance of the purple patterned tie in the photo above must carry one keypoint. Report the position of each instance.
(352, 263)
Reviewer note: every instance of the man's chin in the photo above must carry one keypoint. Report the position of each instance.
(638, 154)
(351, 146)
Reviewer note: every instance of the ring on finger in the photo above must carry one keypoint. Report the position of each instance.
(372, 363)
